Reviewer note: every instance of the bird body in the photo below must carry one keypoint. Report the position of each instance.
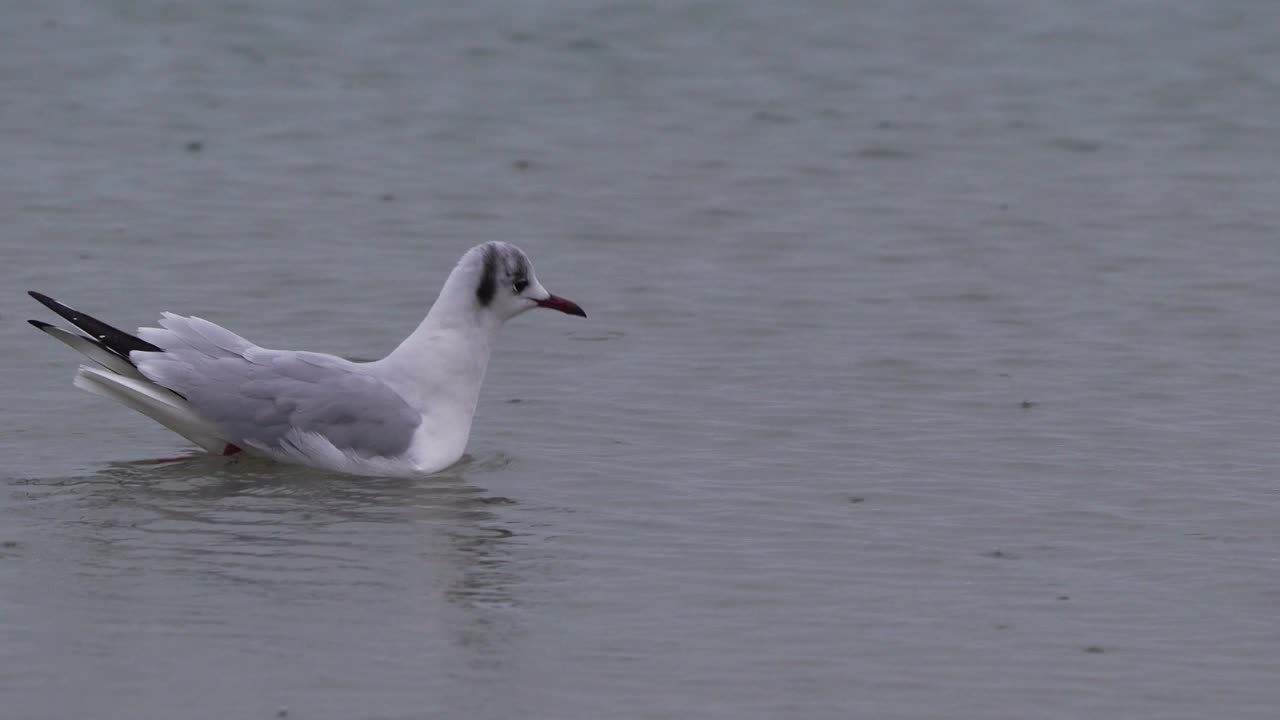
(409, 413)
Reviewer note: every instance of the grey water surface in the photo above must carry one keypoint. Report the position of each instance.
(930, 367)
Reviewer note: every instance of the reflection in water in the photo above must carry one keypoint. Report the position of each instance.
(177, 544)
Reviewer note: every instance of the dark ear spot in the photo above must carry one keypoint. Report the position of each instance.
(488, 277)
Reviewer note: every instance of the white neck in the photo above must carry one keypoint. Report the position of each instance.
(439, 368)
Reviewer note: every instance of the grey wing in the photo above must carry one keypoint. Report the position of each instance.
(263, 398)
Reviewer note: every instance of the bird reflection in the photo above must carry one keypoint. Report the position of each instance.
(299, 537)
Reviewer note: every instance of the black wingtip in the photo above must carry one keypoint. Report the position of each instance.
(113, 339)
(39, 325)
(49, 302)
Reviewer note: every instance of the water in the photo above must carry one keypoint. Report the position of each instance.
(928, 371)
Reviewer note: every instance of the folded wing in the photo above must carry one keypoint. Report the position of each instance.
(217, 389)
(277, 401)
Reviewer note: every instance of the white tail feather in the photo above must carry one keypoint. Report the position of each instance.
(153, 401)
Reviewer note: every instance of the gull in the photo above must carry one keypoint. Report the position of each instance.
(408, 414)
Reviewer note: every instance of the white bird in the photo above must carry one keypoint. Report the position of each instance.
(407, 414)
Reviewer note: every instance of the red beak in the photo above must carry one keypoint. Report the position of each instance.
(569, 307)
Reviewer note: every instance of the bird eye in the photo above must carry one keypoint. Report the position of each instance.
(520, 284)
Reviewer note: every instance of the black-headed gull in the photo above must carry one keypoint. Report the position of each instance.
(407, 414)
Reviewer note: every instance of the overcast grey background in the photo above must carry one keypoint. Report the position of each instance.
(929, 372)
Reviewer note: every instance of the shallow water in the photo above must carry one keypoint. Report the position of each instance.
(927, 372)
